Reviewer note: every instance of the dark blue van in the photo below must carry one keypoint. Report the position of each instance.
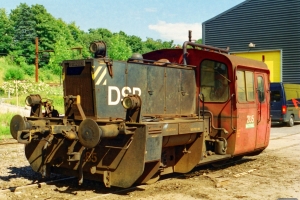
(285, 103)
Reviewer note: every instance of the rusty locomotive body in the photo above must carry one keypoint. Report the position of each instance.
(162, 112)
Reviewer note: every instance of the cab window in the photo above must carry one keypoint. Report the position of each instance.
(245, 86)
(260, 88)
(214, 81)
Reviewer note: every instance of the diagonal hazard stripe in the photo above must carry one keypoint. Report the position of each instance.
(97, 71)
(102, 75)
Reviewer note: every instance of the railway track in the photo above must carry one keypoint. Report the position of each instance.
(7, 143)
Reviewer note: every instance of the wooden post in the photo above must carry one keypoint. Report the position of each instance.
(36, 59)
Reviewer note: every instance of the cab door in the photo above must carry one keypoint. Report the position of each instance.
(263, 109)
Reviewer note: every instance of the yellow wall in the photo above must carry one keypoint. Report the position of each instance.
(272, 60)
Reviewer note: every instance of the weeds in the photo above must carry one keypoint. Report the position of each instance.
(5, 119)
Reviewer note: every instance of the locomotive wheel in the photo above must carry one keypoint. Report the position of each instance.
(17, 123)
(89, 133)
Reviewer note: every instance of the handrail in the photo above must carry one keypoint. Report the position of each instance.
(231, 115)
(199, 45)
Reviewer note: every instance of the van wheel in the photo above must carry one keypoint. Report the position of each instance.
(290, 123)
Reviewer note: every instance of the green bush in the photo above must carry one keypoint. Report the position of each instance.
(14, 73)
(46, 75)
(28, 69)
(2, 91)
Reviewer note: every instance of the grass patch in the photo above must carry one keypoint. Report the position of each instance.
(4, 65)
(5, 119)
(18, 93)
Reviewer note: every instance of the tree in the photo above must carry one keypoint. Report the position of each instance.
(24, 32)
(75, 31)
(19, 29)
(61, 52)
(6, 33)
(135, 43)
(118, 48)
(199, 41)
(46, 29)
(151, 45)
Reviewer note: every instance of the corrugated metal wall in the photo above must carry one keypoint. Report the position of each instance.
(269, 24)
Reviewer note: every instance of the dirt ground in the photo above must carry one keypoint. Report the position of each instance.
(273, 174)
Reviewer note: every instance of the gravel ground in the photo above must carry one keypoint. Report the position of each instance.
(271, 175)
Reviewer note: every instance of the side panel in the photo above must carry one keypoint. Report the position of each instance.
(163, 90)
(292, 97)
(109, 89)
(187, 92)
(246, 128)
(154, 94)
(172, 91)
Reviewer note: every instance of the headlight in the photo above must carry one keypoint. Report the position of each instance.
(33, 99)
(98, 48)
(131, 102)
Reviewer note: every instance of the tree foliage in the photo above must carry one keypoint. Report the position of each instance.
(118, 48)
(6, 30)
(24, 32)
(22, 25)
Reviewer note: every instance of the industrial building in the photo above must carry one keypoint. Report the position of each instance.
(266, 30)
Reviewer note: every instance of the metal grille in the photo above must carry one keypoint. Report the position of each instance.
(78, 81)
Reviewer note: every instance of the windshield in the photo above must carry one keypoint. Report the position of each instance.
(214, 81)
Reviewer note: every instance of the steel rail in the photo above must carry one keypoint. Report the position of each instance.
(40, 184)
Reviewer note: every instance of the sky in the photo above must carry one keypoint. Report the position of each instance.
(158, 19)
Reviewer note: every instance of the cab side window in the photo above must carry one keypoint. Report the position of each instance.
(214, 81)
(260, 88)
(245, 86)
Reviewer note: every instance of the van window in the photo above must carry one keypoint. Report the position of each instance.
(275, 96)
(245, 86)
(214, 81)
(291, 94)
